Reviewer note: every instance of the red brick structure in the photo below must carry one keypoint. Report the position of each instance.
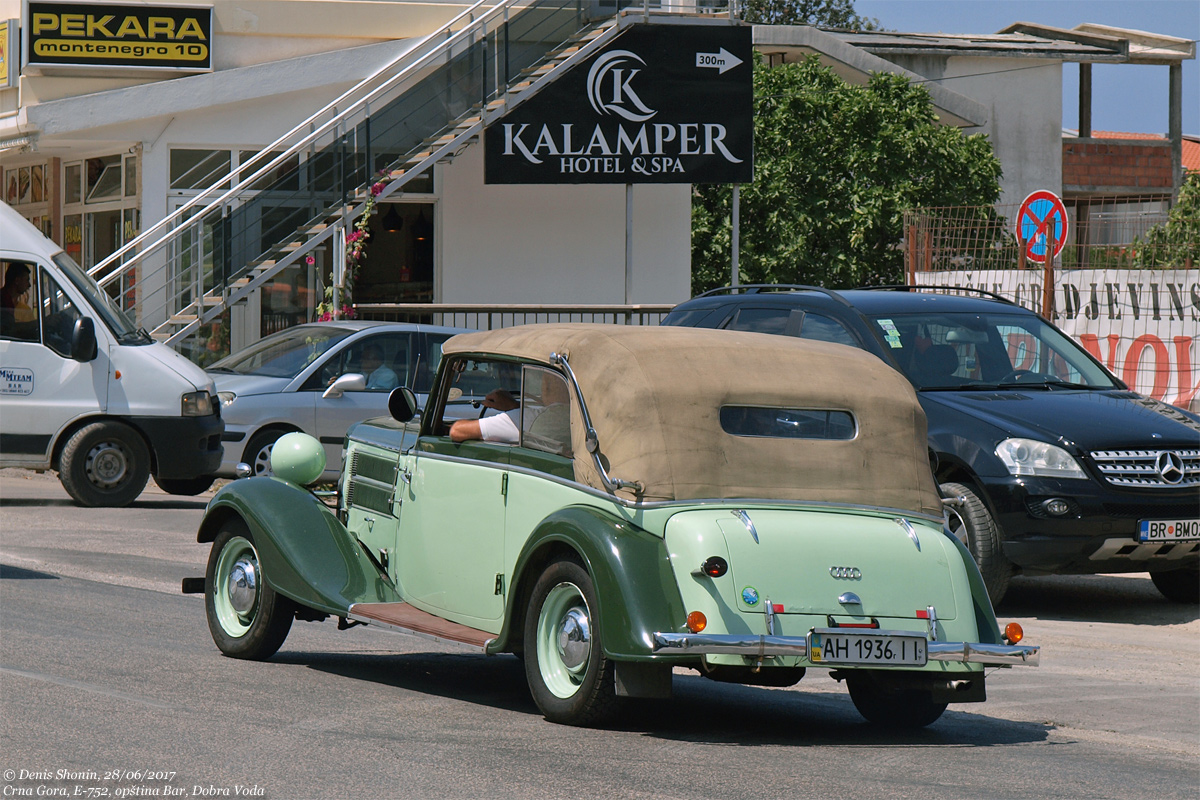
(1132, 164)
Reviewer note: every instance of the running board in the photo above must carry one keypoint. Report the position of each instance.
(406, 619)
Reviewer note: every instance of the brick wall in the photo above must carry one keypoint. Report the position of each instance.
(1126, 164)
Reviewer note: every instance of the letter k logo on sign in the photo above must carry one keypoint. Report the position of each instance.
(611, 69)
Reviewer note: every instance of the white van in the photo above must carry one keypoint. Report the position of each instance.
(86, 392)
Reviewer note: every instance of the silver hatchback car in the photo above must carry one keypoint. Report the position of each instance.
(319, 378)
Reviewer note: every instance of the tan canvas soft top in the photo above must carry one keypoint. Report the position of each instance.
(654, 395)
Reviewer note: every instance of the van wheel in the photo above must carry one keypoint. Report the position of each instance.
(569, 676)
(258, 452)
(1179, 585)
(891, 707)
(246, 617)
(185, 486)
(974, 527)
(105, 464)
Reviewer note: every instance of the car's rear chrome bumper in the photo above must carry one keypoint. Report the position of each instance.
(997, 655)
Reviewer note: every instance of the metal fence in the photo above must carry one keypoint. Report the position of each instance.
(1124, 283)
(489, 316)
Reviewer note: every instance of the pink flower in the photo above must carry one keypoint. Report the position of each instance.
(310, 260)
(326, 317)
(377, 189)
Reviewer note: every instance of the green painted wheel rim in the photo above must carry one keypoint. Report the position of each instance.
(564, 606)
(235, 623)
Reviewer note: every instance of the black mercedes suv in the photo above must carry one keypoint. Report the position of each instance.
(1050, 463)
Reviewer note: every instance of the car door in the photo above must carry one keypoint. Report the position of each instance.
(42, 386)
(333, 416)
(450, 548)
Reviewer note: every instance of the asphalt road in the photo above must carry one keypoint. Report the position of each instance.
(105, 668)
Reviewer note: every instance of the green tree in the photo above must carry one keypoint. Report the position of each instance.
(835, 167)
(826, 13)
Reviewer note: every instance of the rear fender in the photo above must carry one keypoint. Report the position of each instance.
(985, 618)
(305, 552)
(635, 586)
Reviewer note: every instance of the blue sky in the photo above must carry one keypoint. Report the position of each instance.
(1125, 97)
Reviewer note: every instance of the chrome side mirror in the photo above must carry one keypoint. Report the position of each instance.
(350, 382)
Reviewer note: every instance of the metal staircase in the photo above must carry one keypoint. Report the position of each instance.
(305, 190)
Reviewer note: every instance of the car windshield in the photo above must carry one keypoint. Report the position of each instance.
(285, 354)
(967, 351)
(113, 316)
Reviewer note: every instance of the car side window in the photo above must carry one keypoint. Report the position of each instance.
(468, 381)
(58, 316)
(778, 320)
(826, 329)
(545, 411)
(18, 311)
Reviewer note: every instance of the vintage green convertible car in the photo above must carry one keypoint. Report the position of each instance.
(743, 505)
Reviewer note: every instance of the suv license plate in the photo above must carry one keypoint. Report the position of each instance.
(833, 648)
(1170, 530)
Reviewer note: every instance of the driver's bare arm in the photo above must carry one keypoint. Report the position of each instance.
(465, 429)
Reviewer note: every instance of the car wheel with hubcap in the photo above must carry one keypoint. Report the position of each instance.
(185, 486)
(258, 451)
(972, 524)
(1179, 585)
(569, 676)
(891, 707)
(105, 464)
(246, 617)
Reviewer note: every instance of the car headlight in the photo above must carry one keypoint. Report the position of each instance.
(197, 404)
(226, 397)
(1031, 457)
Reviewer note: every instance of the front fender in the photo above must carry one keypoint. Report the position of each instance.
(304, 551)
(635, 586)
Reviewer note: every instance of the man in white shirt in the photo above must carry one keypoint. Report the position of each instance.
(502, 428)
(378, 375)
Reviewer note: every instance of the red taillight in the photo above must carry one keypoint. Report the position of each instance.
(714, 566)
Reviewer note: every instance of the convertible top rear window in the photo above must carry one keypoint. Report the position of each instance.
(788, 423)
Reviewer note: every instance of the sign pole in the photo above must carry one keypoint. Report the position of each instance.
(628, 242)
(1048, 273)
(737, 194)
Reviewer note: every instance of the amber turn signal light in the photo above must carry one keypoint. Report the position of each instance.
(697, 622)
(1013, 633)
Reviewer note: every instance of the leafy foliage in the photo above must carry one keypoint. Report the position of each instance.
(835, 168)
(826, 13)
(1172, 244)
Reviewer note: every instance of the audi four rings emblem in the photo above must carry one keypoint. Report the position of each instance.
(1170, 466)
(849, 573)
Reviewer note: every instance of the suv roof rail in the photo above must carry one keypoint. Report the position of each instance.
(760, 288)
(908, 287)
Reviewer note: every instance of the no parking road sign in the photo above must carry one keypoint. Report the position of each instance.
(1042, 213)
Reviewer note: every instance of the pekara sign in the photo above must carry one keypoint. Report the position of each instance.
(71, 36)
(659, 104)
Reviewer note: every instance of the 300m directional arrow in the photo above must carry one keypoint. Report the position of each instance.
(722, 61)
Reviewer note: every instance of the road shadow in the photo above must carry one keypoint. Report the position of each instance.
(11, 573)
(1093, 598)
(701, 711)
(152, 502)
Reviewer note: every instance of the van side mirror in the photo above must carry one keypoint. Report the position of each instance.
(83, 340)
(402, 404)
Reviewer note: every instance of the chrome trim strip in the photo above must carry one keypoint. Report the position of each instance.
(908, 528)
(401, 629)
(749, 523)
(997, 655)
(591, 439)
(708, 501)
(729, 644)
